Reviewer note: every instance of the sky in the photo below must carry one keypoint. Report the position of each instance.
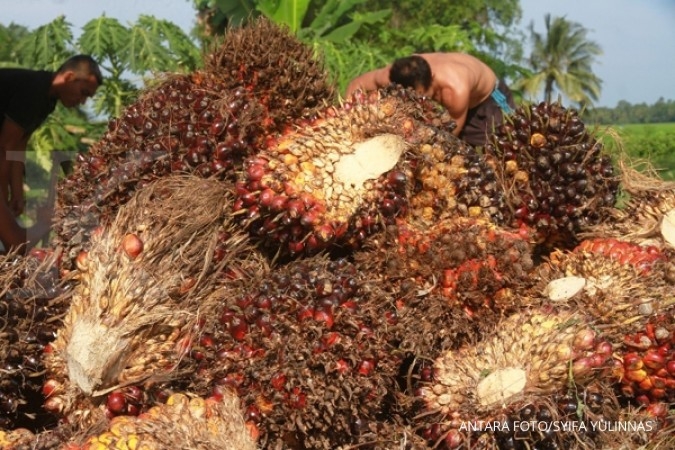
(637, 36)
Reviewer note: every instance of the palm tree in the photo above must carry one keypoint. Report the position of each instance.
(562, 58)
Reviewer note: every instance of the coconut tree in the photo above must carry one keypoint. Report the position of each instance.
(561, 60)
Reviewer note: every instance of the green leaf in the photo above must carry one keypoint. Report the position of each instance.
(286, 12)
(48, 46)
(103, 38)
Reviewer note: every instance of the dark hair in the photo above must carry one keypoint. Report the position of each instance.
(411, 71)
(82, 65)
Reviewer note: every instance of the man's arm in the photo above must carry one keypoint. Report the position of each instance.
(17, 201)
(11, 140)
(457, 104)
(369, 81)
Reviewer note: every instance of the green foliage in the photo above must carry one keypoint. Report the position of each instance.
(562, 58)
(624, 113)
(147, 46)
(10, 35)
(487, 25)
(654, 143)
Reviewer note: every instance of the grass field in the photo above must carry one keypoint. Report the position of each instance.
(652, 142)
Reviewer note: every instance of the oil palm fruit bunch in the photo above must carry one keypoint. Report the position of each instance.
(471, 262)
(142, 287)
(554, 173)
(619, 284)
(531, 355)
(340, 177)
(647, 215)
(304, 347)
(183, 421)
(30, 314)
(204, 123)
(567, 420)
(645, 365)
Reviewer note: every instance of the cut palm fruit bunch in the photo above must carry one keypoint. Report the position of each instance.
(471, 262)
(304, 347)
(142, 287)
(31, 308)
(205, 123)
(530, 355)
(183, 422)
(645, 365)
(341, 177)
(555, 175)
(619, 284)
(648, 213)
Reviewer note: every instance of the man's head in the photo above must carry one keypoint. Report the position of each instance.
(413, 72)
(76, 80)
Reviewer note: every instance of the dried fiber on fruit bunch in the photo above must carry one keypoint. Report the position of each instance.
(304, 347)
(283, 72)
(335, 180)
(619, 284)
(648, 213)
(636, 428)
(531, 355)
(204, 123)
(471, 262)
(644, 366)
(142, 286)
(554, 173)
(55, 438)
(183, 422)
(31, 310)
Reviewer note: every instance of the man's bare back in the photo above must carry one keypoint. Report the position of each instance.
(458, 81)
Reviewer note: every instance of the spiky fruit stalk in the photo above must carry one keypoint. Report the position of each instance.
(619, 284)
(135, 302)
(554, 173)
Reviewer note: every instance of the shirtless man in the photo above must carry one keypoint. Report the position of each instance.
(470, 91)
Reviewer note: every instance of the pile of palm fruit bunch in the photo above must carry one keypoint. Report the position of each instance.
(205, 122)
(29, 318)
(249, 260)
(554, 173)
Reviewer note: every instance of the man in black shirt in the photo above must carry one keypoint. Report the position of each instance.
(27, 98)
